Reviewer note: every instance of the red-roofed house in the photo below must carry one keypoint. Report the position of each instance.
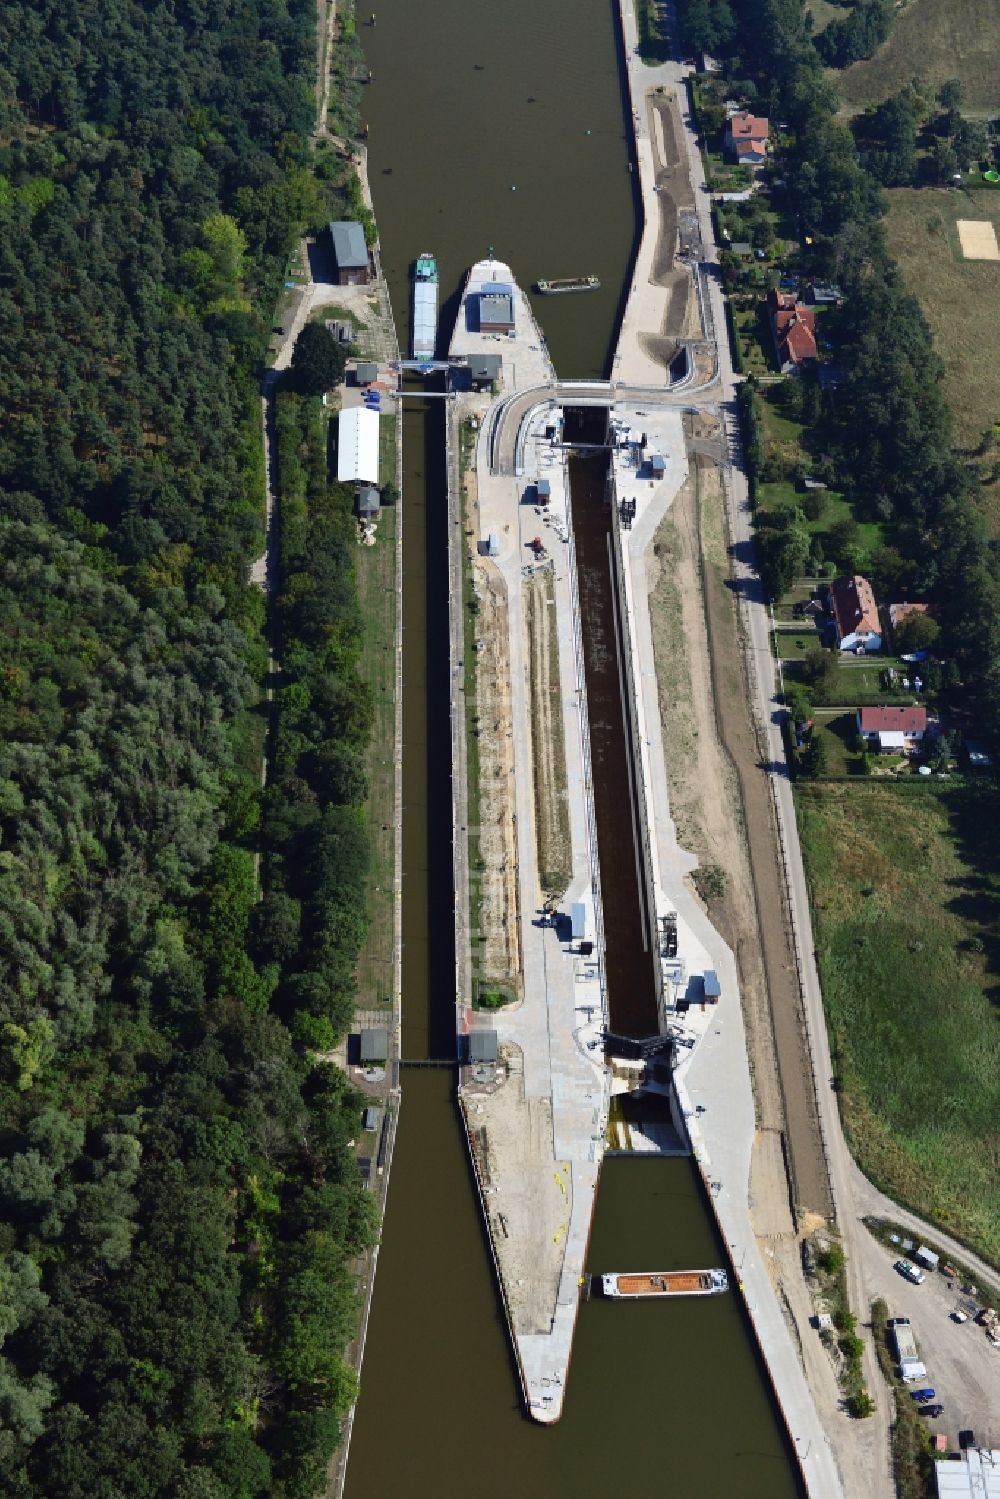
(746, 137)
(793, 328)
(855, 615)
(893, 730)
(898, 612)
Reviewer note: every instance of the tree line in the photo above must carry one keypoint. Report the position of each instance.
(179, 1200)
(885, 426)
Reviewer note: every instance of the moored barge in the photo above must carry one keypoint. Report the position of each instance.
(567, 283)
(631, 1286)
(425, 306)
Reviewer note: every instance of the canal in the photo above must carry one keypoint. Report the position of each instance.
(503, 125)
(629, 950)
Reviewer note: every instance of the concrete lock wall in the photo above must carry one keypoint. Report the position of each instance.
(633, 730)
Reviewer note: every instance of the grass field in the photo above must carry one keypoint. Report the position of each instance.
(823, 13)
(905, 888)
(955, 295)
(933, 40)
(839, 732)
(377, 596)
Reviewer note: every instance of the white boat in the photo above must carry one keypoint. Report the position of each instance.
(631, 1285)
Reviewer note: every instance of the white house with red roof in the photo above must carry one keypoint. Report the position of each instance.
(746, 137)
(855, 614)
(893, 730)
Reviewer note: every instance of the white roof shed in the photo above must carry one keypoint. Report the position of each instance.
(357, 446)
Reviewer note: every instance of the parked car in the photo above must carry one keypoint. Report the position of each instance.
(909, 1271)
(960, 1316)
(966, 1438)
(925, 1394)
(932, 1410)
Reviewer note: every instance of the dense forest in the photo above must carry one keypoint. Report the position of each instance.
(884, 432)
(178, 1200)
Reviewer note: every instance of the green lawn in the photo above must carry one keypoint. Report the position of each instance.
(377, 595)
(932, 40)
(799, 593)
(387, 450)
(754, 337)
(838, 732)
(790, 644)
(905, 886)
(823, 12)
(953, 293)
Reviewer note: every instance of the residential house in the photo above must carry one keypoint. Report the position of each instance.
(893, 730)
(793, 328)
(746, 138)
(855, 615)
(899, 612)
(350, 252)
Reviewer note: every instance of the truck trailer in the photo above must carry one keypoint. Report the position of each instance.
(910, 1367)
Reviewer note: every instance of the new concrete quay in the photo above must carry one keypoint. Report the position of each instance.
(547, 1089)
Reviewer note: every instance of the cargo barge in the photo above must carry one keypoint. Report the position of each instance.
(425, 306)
(567, 283)
(629, 1286)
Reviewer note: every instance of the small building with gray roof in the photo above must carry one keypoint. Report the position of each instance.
(496, 308)
(374, 1048)
(350, 251)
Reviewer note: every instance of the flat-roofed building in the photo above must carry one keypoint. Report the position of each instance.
(496, 308)
(374, 1046)
(482, 1047)
(484, 370)
(975, 1475)
(357, 446)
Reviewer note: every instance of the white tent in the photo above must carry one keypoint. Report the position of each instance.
(357, 446)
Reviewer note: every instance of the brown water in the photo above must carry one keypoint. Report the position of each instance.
(661, 1399)
(453, 133)
(628, 949)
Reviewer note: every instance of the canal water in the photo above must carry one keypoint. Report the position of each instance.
(470, 100)
(629, 951)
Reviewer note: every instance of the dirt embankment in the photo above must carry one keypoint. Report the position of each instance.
(500, 948)
(676, 206)
(548, 748)
(717, 785)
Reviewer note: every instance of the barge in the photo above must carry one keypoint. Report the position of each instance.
(425, 306)
(567, 283)
(631, 1286)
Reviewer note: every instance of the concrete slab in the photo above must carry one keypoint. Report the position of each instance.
(538, 1183)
